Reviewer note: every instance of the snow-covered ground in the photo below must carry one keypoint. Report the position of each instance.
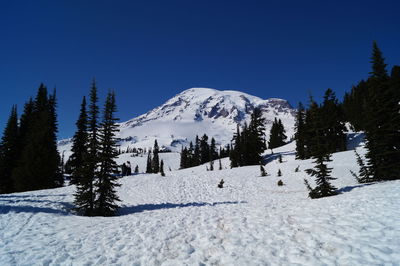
(184, 219)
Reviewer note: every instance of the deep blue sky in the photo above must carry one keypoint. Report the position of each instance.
(148, 51)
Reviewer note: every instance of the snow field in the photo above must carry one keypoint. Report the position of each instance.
(184, 219)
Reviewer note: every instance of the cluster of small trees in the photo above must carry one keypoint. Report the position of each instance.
(153, 163)
(324, 123)
(249, 144)
(277, 135)
(378, 99)
(92, 162)
(372, 106)
(199, 153)
(29, 159)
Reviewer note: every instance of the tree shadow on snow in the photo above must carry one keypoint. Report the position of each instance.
(152, 207)
(272, 157)
(350, 188)
(4, 209)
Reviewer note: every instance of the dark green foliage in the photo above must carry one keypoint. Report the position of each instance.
(279, 172)
(213, 150)
(105, 203)
(221, 184)
(155, 162)
(249, 144)
(262, 170)
(136, 170)
(220, 164)
(300, 134)
(321, 172)
(38, 166)
(382, 132)
(149, 167)
(280, 183)
(277, 136)
(85, 194)
(9, 152)
(204, 150)
(297, 169)
(162, 168)
(280, 158)
(333, 120)
(355, 106)
(79, 146)
(364, 175)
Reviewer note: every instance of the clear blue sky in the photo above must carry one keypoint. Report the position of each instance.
(149, 51)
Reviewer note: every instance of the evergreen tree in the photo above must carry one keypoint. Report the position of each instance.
(236, 151)
(334, 124)
(105, 202)
(255, 138)
(196, 155)
(9, 152)
(381, 133)
(262, 170)
(155, 164)
(364, 176)
(38, 166)
(162, 168)
(279, 172)
(277, 136)
(300, 133)
(136, 170)
(85, 194)
(149, 167)
(321, 172)
(213, 150)
(220, 164)
(204, 150)
(79, 146)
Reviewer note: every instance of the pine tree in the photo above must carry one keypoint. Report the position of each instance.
(381, 134)
(300, 133)
(277, 136)
(262, 170)
(364, 176)
(149, 168)
(204, 150)
(197, 154)
(321, 172)
(105, 203)
(220, 164)
(236, 151)
(79, 146)
(85, 194)
(136, 170)
(155, 164)
(162, 168)
(38, 166)
(9, 152)
(213, 150)
(279, 172)
(255, 138)
(334, 124)
(280, 158)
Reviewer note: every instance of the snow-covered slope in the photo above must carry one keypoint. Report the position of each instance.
(199, 111)
(184, 219)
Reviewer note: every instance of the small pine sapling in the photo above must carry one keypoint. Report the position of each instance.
(280, 183)
(279, 172)
(297, 169)
(364, 175)
(220, 165)
(136, 169)
(262, 170)
(221, 183)
(280, 158)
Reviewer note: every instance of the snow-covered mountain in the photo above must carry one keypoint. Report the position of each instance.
(199, 111)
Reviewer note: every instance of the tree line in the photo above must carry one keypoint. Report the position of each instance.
(29, 159)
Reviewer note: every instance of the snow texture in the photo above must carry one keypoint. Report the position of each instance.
(184, 219)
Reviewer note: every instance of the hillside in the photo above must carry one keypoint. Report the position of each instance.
(184, 219)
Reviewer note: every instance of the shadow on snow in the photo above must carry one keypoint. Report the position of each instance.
(350, 188)
(152, 207)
